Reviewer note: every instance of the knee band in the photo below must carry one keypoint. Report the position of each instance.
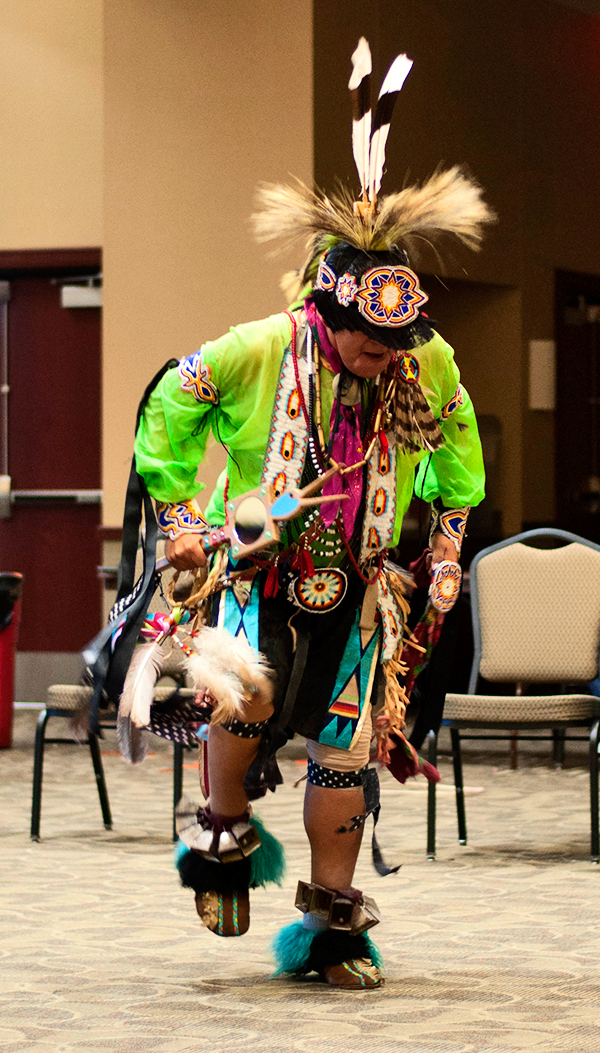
(245, 731)
(333, 780)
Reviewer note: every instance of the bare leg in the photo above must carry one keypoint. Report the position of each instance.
(333, 855)
(229, 758)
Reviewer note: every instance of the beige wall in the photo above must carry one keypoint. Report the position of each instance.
(202, 101)
(511, 89)
(50, 123)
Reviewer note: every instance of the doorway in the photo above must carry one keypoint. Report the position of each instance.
(577, 437)
(51, 452)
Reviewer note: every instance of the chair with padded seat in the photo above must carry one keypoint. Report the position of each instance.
(536, 619)
(71, 701)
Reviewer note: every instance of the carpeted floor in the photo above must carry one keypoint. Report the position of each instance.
(493, 948)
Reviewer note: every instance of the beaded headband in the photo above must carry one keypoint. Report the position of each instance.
(389, 296)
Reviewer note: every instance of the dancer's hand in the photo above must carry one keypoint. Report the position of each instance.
(442, 548)
(186, 552)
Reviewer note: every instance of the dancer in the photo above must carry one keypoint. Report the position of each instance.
(351, 390)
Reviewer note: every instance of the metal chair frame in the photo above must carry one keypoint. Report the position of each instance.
(558, 728)
(41, 740)
(38, 768)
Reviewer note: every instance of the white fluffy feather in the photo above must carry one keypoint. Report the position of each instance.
(229, 669)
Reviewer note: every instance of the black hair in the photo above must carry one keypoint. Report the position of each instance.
(346, 259)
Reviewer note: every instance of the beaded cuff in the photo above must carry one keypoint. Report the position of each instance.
(180, 518)
(449, 521)
(331, 779)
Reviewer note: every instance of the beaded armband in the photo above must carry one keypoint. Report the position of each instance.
(180, 518)
(449, 521)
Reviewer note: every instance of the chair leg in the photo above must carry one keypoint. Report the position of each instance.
(38, 768)
(432, 758)
(558, 747)
(514, 756)
(177, 781)
(595, 840)
(99, 773)
(459, 786)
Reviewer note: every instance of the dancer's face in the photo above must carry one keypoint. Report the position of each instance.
(361, 355)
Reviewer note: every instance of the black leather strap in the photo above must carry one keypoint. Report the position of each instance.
(108, 655)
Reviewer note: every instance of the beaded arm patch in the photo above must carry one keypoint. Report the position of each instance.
(195, 377)
(456, 401)
(449, 521)
(180, 518)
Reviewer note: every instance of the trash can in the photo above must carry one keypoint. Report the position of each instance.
(10, 616)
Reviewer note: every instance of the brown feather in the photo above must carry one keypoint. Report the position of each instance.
(414, 425)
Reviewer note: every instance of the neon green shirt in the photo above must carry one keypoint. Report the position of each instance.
(243, 366)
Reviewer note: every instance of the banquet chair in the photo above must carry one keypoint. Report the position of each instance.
(71, 702)
(536, 620)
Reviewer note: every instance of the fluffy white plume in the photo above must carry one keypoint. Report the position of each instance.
(229, 669)
(449, 202)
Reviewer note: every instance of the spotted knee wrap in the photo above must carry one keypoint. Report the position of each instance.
(331, 779)
(246, 731)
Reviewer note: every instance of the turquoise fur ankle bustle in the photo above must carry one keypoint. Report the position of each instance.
(266, 866)
(298, 950)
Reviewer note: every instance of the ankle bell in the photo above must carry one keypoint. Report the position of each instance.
(221, 839)
(344, 909)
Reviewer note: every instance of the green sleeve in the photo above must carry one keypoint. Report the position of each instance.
(171, 440)
(228, 388)
(455, 472)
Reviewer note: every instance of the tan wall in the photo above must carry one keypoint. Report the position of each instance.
(511, 89)
(50, 123)
(202, 102)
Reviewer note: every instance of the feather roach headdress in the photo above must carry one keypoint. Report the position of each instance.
(357, 267)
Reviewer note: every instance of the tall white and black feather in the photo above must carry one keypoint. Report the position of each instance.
(392, 85)
(360, 93)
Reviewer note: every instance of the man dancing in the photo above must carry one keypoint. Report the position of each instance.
(354, 378)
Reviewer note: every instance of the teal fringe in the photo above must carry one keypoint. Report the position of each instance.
(181, 850)
(267, 864)
(291, 948)
(374, 953)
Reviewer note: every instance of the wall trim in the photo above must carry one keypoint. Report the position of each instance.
(19, 260)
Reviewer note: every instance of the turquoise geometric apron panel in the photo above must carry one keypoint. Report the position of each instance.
(352, 688)
(241, 617)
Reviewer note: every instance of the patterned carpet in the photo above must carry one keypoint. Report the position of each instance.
(492, 948)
